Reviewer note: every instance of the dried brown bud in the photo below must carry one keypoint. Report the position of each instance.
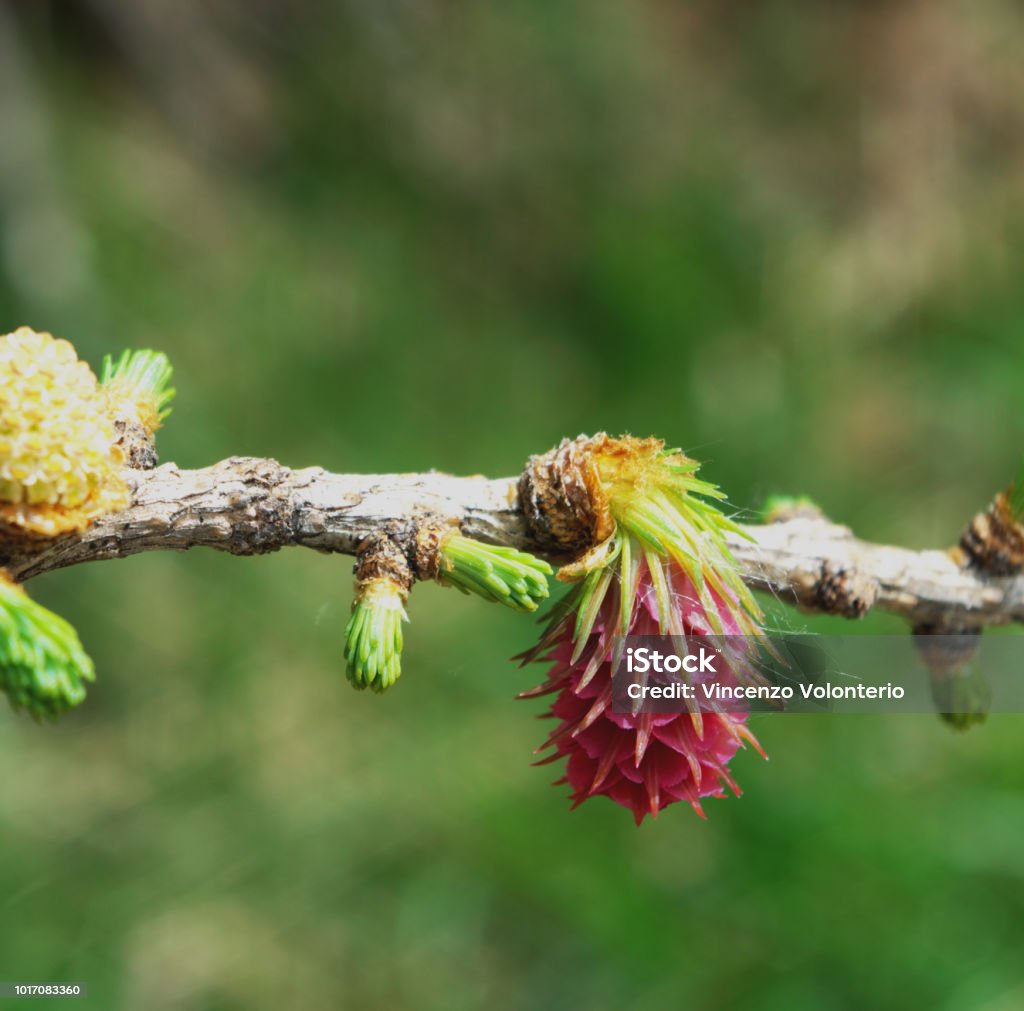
(562, 498)
(845, 590)
(994, 542)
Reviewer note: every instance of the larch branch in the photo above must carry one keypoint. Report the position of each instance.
(251, 506)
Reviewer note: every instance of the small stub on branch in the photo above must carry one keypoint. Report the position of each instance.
(783, 508)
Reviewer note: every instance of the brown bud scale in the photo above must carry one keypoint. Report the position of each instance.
(382, 557)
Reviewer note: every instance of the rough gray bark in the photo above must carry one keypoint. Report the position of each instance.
(251, 506)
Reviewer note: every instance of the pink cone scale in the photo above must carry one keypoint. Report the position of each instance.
(664, 570)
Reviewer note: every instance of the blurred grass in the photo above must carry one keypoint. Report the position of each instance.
(785, 236)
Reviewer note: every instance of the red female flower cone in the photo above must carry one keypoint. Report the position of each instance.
(665, 569)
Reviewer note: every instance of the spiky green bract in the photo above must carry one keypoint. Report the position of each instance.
(661, 565)
(663, 513)
(500, 574)
(373, 636)
(43, 667)
(141, 378)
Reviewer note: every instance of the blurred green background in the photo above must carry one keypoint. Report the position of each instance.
(393, 236)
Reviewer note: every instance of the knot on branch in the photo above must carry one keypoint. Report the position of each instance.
(257, 492)
(562, 499)
(994, 541)
(844, 590)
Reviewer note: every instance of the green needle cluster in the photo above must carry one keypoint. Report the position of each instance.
(43, 666)
(373, 636)
(500, 574)
(142, 374)
(673, 515)
(962, 699)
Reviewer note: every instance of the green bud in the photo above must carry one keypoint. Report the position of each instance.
(778, 508)
(373, 636)
(43, 667)
(962, 699)
(960, 691)
(139, 386)
(500, 574)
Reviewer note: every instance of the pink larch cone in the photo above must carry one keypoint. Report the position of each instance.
(644, 761)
